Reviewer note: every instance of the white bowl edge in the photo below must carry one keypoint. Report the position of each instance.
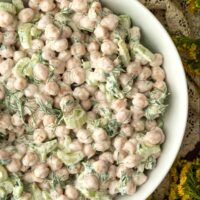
(156, 38)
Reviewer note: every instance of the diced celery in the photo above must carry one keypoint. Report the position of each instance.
(124, 22)
(24, 32)
(70, 159)
(7, 185)
(8, 7)
(62, 19)
(22, 67)
(143, 52)
(76, 119)
(18, 4)
(35, 32)
(65, 146)
(46, 195)
(3, 193)
(36, 192)
(124, 52)
(3, 174)
(45, 148)
(153, 111)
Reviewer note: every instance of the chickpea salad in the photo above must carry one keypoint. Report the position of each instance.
(81, 102)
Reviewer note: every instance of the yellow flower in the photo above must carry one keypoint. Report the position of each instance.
(186, 197)
(183, 178)
(192, 51)
(173, 191)
(198, 175)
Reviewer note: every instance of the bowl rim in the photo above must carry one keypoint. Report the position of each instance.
(166, 36)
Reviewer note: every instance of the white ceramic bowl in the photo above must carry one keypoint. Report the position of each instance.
(157, 39)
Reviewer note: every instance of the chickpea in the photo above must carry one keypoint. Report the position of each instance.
(140, 179)
(99, 135)
(126, 130)
(119, 142)
(17, 120)
(4, 155)
(6, 67)
(91, 115)
(64, 56)
(119, 104)
(21, 148)
(138, 113)
(14, 166)
(107, 156)
(66, 32)
(6, 19)
(37, 44)
(71, 192)
(93, 46)
(86, 104)
(113, 187)
(77, 75)
(41, 171)
(86, 23)
(123, 116)
(54, 163)
(110, 22)
(149, 125)
(129, 147)
(60, 45)
(158, 74)
(140, 100)
(62, 173)
(101, 32)
(130, 188)
(73, 63)
(26, 15)
(84, 136)
(67, 103)
(9, 38)
(154, 136)
(52, 88)
(30, 159)
(62, 197)
(11, 137)
(105, 64)
(88, 150)
(124, 79)
(48, 120)
(76, 146)
(52, 32)
(64, 4)
(47, 5)
(157, 60)
(39, 135)
(94, 56)
(30, 90)
(131, 161)
(102, 146)
(143, 86)
(134, 68)
(108, 47)
(20, 83)
(26, 196)
(81, 93)
(30, 178)
(91, 182)
(79, 5)
(45, 185)
(18, 55)
(119, 156)
(61, 131)
(41, 71)
(44, 21)
(145, 74)
(78, 50)
(161, 85)
(100, 166)
(5, 121)
(33, 4)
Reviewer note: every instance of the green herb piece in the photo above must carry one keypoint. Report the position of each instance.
(24, 32)
(124, 22)
(70, 158)
(112, 128)
(150, 163)
(124, 52)
(18, 186)
(123, 181)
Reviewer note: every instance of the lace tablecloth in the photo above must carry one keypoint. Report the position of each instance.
(176, 18)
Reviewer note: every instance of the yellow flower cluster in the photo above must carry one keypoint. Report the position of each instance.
(193, 5)
(185, 181)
